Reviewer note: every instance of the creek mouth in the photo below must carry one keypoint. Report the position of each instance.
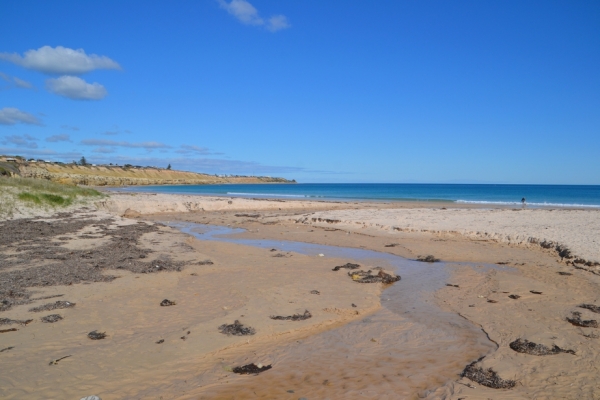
(410, 348)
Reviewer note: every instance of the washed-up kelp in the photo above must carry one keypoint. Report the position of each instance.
(577, 321)
(51, 318)
(248, 215)
(251, 369)
(34, 258)
(295, 317)
(368, 277)
(236, 329)
(514, 296)
(347, 266)
(486, 377)
(535, 349)
(167, 303)
(53, 306)
(8, 321)
(428, 259)
(591, 307)
(95, 335)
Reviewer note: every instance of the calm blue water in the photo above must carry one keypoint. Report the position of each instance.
(536, 195)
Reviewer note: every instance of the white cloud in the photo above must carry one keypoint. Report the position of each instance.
(247, 14)
(114, 143)
(11, 116)
(243, 11)
(277, 23)
(59, 138)
(76, 88)
(25, 141)
(60, 60)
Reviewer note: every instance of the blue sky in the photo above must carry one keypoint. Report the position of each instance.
(338, 91)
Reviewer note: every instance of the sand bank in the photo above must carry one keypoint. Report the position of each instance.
(94, 259)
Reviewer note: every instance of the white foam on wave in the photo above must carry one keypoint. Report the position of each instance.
(518, 203)
(266, 194)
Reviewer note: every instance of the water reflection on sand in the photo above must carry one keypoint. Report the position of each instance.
(410, 348)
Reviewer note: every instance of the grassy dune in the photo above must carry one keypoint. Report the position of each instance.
(20, 194)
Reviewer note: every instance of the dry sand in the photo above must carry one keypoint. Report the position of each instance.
(368, 351)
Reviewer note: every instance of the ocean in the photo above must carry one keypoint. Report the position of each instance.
(536, 195)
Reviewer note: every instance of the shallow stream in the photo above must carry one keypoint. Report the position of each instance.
(410, 348)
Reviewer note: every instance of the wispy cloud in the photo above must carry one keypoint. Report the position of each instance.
(60, 60)
(14, 82)
(69, 127)
(114, 143)
(104, 150)
(12, 116)
(206, 165)
(115, 131)
(191, 149)
(247, 14)
(277, 23)
(46, 153)
(25, 141)
(58, 138)
(76, 88)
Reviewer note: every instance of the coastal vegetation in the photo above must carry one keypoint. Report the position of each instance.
(16, 193)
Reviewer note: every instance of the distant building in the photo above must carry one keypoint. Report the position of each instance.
(11, 159)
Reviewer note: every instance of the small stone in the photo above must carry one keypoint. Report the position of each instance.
(91, 398)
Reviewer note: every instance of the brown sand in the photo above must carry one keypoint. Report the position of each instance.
(341, 352)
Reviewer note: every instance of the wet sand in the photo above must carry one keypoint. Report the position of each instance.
(375, 350)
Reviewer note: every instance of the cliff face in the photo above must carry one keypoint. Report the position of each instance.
(123, 176)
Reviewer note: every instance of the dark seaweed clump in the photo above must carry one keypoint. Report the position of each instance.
(51, 318)
(53, 306)
(251, 369)
(368, 277)
(295, 317)
(95, 335)
(8, 321)
(577, 321)
(32, 257)
(167, 303)
(486, 377)
(591, 307)
(236, 329)
(347, 265)
(514, 296)
(535, 349)
(248, 215)
(428, 259)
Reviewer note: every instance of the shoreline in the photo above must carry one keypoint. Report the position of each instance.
(404, 203)
(249, 284)
(397, 201)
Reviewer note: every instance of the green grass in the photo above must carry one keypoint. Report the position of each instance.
(39, 192)
(43, 185)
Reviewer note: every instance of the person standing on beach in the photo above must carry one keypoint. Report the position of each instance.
(523, 201)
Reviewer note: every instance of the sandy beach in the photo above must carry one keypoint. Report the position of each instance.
(503, 275)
